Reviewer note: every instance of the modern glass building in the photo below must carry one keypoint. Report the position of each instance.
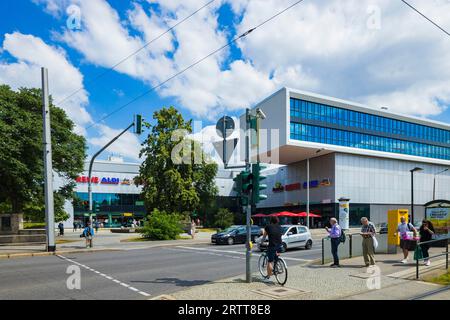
(355, 151)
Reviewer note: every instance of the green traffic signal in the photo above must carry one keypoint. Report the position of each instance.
(242, 186)
(96, 207)
(247, 180)
(257, 185)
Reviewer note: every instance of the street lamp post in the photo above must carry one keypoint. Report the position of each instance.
(412, 192)
(434, 182)
(307, 188)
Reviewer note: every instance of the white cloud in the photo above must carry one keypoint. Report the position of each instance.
(31, 54)
(383, 54)
(404, 64)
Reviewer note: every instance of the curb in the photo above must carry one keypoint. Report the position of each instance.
(43, 254)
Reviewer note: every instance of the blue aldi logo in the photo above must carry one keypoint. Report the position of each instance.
(110, 181)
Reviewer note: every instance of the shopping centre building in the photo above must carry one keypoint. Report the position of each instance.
(118, 198)
(357, 152)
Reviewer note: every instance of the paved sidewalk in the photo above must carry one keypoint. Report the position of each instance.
(316, 282)
(104, 240)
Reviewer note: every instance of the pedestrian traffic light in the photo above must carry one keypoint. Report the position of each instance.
(138, 124)
(96, 207)
(246, 182)
(257, 185)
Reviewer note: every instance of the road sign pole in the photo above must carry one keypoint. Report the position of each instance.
(48, 167)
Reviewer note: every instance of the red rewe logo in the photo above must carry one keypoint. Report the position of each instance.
(85, 179)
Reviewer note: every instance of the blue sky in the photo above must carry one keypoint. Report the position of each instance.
(382, 55)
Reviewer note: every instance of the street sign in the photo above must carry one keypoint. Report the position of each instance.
(230, 145)
(225, 126)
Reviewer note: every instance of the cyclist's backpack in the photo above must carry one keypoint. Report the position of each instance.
(342, 236)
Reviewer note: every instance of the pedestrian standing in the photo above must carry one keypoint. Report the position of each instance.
(404, 230)
(96, 224)
(368, 232)
(75, 226)
(88, 233)
(426, 232)
(61, 228)
(335, 238)
(192, 229)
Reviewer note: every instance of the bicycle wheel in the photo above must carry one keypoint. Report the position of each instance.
(281, 271)
(262, 264)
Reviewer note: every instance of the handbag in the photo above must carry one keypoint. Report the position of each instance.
(418, 254)
(375, 243)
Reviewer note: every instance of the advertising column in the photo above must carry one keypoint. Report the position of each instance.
(344, 213)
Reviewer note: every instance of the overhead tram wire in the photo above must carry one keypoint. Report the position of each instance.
(136, 52)
(196, 63)
(435, 24)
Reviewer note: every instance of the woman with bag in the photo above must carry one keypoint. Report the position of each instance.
(426, 232)
(407, 234)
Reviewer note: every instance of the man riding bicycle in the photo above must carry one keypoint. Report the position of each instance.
(274, 232)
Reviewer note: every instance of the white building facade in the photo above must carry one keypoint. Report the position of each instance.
(357, 152)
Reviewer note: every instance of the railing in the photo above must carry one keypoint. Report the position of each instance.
(352, 246)
(446, 239)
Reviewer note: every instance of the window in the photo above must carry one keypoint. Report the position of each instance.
(301, 229)
(293, 230)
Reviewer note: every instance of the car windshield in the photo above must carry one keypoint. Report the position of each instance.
(229, 229)
(284, 229)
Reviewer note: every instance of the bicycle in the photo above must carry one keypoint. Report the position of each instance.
(280, 270)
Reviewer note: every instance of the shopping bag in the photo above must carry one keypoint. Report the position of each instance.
(418, 255)
(375, 243)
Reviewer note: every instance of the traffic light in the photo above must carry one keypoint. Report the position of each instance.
(243, 186)
(256, 182)
(96, 207)
(138, 124)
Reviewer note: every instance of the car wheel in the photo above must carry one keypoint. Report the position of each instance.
(284, 245)
(308, 245)
(230, 241)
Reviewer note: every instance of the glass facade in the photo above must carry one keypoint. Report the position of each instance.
(331, 125)
(115, 208)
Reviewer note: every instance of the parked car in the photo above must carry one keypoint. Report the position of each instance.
(382, 228)
(293, 236)
(235, 234)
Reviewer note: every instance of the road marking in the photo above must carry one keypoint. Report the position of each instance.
(105, 276)
(213, 252)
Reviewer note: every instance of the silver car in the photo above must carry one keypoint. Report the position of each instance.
(293, 236)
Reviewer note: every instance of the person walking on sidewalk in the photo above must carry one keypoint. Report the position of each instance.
(403, 230)
(88, 233)
(61, 228)
(335, 238)
(192, 229)
(426, 232)
(368, 232)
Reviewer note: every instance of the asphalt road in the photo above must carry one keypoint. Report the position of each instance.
(130, 274)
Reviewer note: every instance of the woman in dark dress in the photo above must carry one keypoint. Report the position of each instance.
(426, 232)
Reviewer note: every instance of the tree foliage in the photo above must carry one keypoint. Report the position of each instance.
(223, 218)
(21, 152)
(161, 226)
(175, 173)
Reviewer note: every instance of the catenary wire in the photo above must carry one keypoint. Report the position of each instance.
(438, 26)
(195, 63)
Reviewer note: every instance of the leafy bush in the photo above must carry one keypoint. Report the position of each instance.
(161, 226)
(223, 218)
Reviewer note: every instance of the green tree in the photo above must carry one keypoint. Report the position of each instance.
(175, 174)
(161, 226)
(21, 150)
(223, 218)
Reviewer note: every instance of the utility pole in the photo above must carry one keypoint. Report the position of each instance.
(48, 168)
(248, 167)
